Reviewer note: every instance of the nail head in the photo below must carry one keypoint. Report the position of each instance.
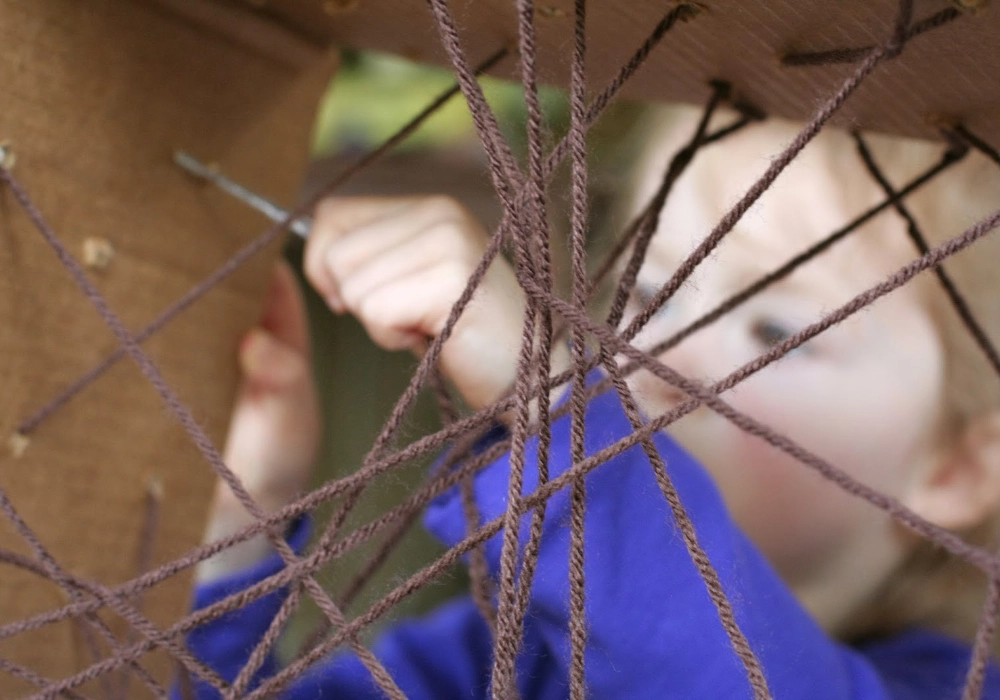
(7, 156)
(972, 6)
(335, 7)
(551, 12)
(18, 444)
(97, 253)
(155, 489)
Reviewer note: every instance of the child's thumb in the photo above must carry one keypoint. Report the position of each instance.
(268, 363)
(284, 313)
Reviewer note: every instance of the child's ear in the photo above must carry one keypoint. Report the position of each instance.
(962, 489)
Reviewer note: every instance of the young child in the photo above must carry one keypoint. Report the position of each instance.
(836, 599)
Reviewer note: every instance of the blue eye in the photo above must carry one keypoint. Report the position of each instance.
(770, 333)
(643, 296)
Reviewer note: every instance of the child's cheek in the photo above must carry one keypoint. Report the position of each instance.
(785, 506)
(791, 513)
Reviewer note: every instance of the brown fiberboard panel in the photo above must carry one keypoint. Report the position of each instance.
(952, 71)
(96, 95)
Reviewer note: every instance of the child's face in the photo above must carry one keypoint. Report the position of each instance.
(864, 395)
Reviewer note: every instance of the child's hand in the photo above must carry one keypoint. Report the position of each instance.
(399, 264)
(274, 431)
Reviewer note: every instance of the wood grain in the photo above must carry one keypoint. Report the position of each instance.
(96, 96)
(951, 71)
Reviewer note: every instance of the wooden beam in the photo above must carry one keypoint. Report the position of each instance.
(949, 71)
(249, 29)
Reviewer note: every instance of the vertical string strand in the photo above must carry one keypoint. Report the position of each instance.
(144, 558)
(982, 648)
(524, 210)
(530, 227)
(580, 222)
(681, 12)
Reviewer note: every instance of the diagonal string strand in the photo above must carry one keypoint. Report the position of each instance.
(800, 259)
(727, 617)
(708, 396)
(976, 142)
(534, 538)
(503, 166)
(297, 509)
(823, 58)
(680, 12)
(30, 676)
(57, 574)
(249, 251)
(987, 562)
(518, 214)
(958, 301)
(698, 556)
(829, 107)
(982, 648)
(624, 241)
(650, 220)
(481, 587)
(201, 441)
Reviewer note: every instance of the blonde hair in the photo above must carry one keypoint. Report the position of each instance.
(931, 588)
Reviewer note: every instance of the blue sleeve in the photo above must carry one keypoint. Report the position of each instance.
(653, 631)
(446, 654)
(225, 643)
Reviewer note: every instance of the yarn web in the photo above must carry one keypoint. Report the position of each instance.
(523, 233)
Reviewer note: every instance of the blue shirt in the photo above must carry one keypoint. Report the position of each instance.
(653, 631)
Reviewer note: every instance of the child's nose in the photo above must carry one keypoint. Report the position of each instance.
(693, 358)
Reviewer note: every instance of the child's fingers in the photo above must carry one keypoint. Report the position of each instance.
(348, 252)
(440, 242)
(284, 314)
(334, 219)
(335, 252)
(401, 313)
(268, 363)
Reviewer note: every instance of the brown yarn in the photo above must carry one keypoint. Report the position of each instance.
(822, 58)
(958, 302)
(581, 215)
(524, 230)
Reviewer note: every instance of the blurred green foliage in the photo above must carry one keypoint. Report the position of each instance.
(374, 94)
(371, 97)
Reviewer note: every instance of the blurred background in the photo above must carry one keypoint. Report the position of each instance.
(372, 96)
